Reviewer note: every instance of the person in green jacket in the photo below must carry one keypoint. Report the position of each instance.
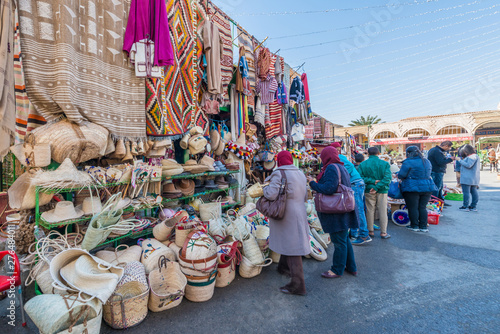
(377, 176)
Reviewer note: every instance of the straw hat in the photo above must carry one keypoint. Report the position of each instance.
(90, 206)
(22, 193)
(77, 269)
(215, 139)
(69, 140)
(269, 165)
(170, 191)
(193, 167)
(197, 144)
(165, 142)
(64, 210)
(186, 186)
(172, 172)
(170, 164)
(209, 162)
(157, 153)
(66, 175)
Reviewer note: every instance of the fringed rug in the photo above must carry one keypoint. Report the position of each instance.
(74, 64)
(274, 127)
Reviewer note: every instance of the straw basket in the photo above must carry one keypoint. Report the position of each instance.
(199, 253)
(226, 273)
(121, 257)
(167, 286)
(252, 251)
(210, 210)
(275, 256)
(201, 289)
(238, 228)
(152, 250)
(262, 236)
(250, 270)
(128, 306)
(217, 228)
(256, 190)
(181, 233)
(163, 230)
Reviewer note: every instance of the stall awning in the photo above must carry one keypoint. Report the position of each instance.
(427, 139)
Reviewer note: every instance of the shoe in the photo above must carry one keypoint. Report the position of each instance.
(288, 292)
(413, 229)
(463, 208)
(360, 240)
(472, 209)
(423, 230)
(387, 236)
(353, 273)
(376, 227)
(327, 274)
(446, 204)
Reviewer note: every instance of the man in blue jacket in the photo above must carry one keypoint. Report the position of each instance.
(439, 160)
(358, 186)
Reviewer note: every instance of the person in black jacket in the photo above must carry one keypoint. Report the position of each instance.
(439, 161)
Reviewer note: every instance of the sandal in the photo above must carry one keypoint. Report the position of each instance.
(386, 236)
(330, 274)
(371, 234)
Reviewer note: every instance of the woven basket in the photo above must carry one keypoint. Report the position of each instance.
(181, 234)
(262, 236)
(210, 210)
(275, 256)
(256, 190)
(217, 228)
(164, 229)
(238, 228)
(152, 250)
(249, 270)
(167, 286)
(121, 257)
(92, 326)
(201, 290)
(128, 306)
(226, 273)
(252, 251)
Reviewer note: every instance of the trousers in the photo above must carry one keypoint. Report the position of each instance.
(343, 256)
(416, 203)
(378, 201)
(292, 265)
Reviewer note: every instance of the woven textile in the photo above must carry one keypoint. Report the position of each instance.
(74, 65)
(246, 41)
(274, 128)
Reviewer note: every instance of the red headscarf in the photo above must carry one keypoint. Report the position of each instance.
(336, 144)
(329, 155)
(284, 158)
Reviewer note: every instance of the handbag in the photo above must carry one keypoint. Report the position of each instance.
(275, 209)
(395, 190)
(341, 201)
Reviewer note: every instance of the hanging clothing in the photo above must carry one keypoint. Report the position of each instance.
(278, 71)
(297, 93)
(303, 78)
(242, 83)
(148, 20)
(213, 48)
(281, 95)
(267, 89)
(260, 112)
(263, 63)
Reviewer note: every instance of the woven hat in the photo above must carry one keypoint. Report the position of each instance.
(197, 144)
(90, 206)
(22, 193)
(186, 186)
(69, 140)
(172, 172)
(269, 165)
(170, 164)
(209, 162)
(157, 153)
(215, 139)
(170, 191)
(193, 167)
(77, 269)
(64, 210)
(65, 176)
(165, 142)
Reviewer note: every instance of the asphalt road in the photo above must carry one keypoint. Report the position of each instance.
(446, 281)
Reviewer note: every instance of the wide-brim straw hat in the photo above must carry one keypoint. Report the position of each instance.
(169, 164)
(22, 193)
(209, 162)
(77, 142)
(172, 172)
(64, 210)
(197, 144)
(170, 188)
(66, 175)
(90, 206)
(88, 276)
(193, 167)
(215, 139)
(186, 186)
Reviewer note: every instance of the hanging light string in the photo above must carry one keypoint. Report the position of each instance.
(371, 22)
(398, 28)
(336, 10)
(379, 73)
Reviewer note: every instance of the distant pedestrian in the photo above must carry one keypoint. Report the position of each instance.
(377, 176)
(337, 224)
(417, 187)
(492, 156)
(470, 167)
(439, 160)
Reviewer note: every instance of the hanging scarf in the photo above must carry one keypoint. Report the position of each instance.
(329, 156)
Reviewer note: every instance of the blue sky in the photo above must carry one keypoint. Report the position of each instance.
(394, 59)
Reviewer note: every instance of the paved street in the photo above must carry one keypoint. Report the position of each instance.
(442, 282)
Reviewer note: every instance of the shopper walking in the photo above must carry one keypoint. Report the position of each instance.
(417, 186)
(492, 156)
(377, 176)
(290, 236)
(358, 186)
(336, 224)
(470, 167)
(439, 160)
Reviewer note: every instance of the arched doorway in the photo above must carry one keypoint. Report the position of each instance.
(485, 131)
(416, 135)
(451, 130)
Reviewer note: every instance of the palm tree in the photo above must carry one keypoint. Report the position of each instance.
(369, 120)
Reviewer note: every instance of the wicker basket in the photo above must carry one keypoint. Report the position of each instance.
(256, 190)
(167, 286)
(275, 256)
(210, 210)
(226, 273)
(128, 306)
(252, 251)
(163, 230)
(262, 236)
(249, 270)
(201, 290)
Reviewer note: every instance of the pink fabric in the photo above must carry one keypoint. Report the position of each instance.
(284, 158)
(145, 18)
(306, 86)
(329, 155)
(336, 144)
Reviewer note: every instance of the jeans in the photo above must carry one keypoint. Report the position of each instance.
(378, 201)
(359, 192)
(468, 190)
(416, 203)
(438, 181)
(343, 256)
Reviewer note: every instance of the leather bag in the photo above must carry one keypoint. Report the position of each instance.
(341, 201)
(275, 209)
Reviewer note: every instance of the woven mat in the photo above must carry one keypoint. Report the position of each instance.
(274, 127)
(74, 64)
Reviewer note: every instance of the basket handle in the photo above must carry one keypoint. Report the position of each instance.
(265, 264)
(162, 262)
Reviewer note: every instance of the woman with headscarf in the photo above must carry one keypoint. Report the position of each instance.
(290, 236)
(337, 224)
(416, 186)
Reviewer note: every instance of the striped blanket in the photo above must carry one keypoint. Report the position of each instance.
(74, 64)
(273, 128)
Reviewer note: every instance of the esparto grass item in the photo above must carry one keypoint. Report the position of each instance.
(128, 306)
(201, 291)
(167, 284)
(249, 270)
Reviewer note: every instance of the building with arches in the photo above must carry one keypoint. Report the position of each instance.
(427, 131)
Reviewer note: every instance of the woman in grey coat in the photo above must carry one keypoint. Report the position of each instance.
(469, 177)
(290, 236)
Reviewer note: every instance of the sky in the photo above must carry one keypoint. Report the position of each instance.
(394, 59)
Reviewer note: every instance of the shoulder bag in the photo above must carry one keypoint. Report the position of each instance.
(341, 201)
(275, 209)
